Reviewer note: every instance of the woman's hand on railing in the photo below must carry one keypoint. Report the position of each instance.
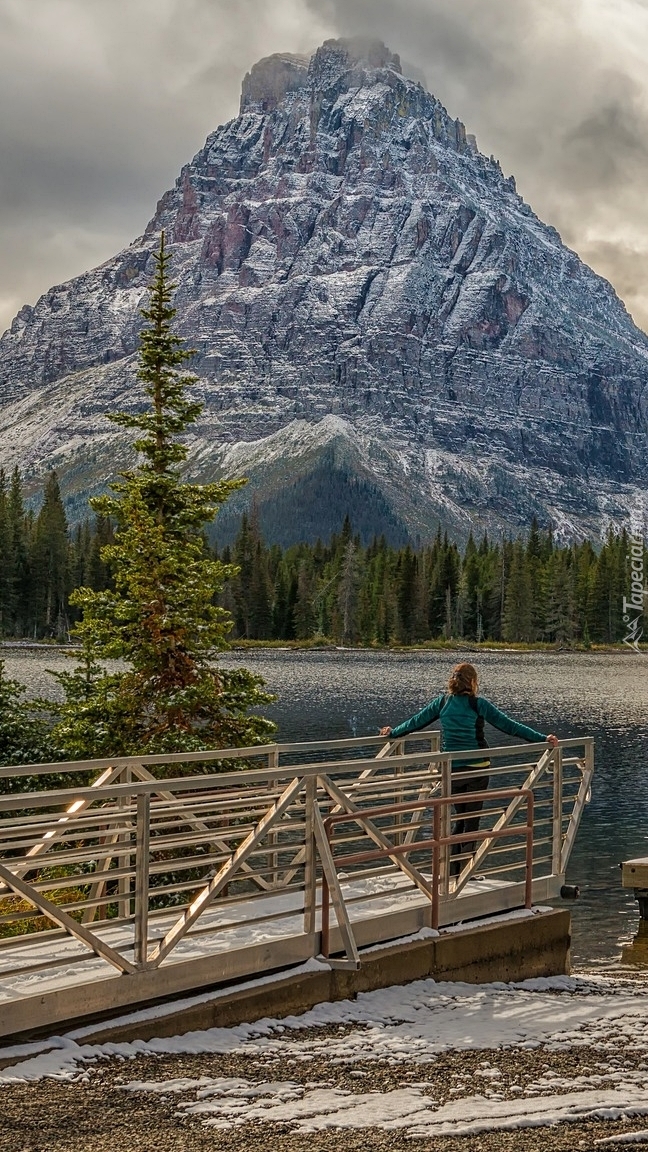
(552, 740)
(385, 731)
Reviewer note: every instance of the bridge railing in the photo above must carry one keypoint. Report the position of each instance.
(140, 862)
(434, 842)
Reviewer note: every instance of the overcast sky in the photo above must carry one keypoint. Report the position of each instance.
(102, 101)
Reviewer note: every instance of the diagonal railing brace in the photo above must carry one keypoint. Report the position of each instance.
(55, 912)
(226, 872)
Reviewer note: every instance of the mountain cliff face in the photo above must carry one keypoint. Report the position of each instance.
(367, 294)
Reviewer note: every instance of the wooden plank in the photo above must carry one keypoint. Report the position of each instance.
(124, 855)
(255, 752)
(582, 798)
(556, 833)
(53, 912)
(444, 829)
(220, 780)
(101, 996)
(310, 860)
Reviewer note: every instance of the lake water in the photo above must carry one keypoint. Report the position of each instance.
(324, 695)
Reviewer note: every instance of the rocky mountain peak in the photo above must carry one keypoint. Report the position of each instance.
(270, 80)
(359, 55)
(369, 299)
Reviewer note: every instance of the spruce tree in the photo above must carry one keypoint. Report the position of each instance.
(281, 621)
(560, 624)
(6, 560)
(304, 615)
(49, 564)
(347, 598)
(406, 596)
(17, 523)
(517, 623)
(160, 617)
(244, 549)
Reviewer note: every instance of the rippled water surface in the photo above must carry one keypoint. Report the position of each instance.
(332, 694)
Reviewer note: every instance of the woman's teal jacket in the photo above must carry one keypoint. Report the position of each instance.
(462, 719)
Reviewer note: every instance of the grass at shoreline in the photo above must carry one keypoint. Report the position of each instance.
(320, 644)
(431, 646)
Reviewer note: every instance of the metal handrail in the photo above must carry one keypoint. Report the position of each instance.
(436, 842)
(280, 773)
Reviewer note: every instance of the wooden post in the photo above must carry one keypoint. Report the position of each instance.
(310, 859)
(635, 875)
(331, 891)
(556, 830)
(142, 852)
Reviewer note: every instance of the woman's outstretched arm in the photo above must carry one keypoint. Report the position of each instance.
(506, 724)
(426, 716)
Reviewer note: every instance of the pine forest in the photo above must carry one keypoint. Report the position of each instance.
(525, 589)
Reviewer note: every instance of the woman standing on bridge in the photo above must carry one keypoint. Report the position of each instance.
(462, 714)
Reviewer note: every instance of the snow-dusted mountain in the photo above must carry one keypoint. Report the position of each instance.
(381, 323)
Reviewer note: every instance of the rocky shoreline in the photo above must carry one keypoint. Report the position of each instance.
(97, 1112)
(556, 1064)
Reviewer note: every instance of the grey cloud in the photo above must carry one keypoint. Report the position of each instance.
(100, 105)
(611, 143)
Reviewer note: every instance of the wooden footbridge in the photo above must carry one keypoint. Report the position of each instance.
(147, 877)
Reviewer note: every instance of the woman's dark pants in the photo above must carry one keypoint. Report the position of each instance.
(464, 822)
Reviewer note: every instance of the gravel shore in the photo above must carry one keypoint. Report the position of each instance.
(97, 1113)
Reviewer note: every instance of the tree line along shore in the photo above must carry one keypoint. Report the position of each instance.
(529, 590)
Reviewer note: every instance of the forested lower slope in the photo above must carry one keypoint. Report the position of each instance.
(338, 589)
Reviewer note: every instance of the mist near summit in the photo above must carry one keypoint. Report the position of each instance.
(103, 103)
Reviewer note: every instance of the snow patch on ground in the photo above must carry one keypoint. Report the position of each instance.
(227, 1102)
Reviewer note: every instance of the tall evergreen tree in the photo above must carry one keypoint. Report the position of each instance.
(348, 592)
(560, 623)
(160, 617)
(518, 605)
(243, 557)
(6, 560)
(406, 596)
(260, 613)
(17, 522)
(49, 557)
(304, 615)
